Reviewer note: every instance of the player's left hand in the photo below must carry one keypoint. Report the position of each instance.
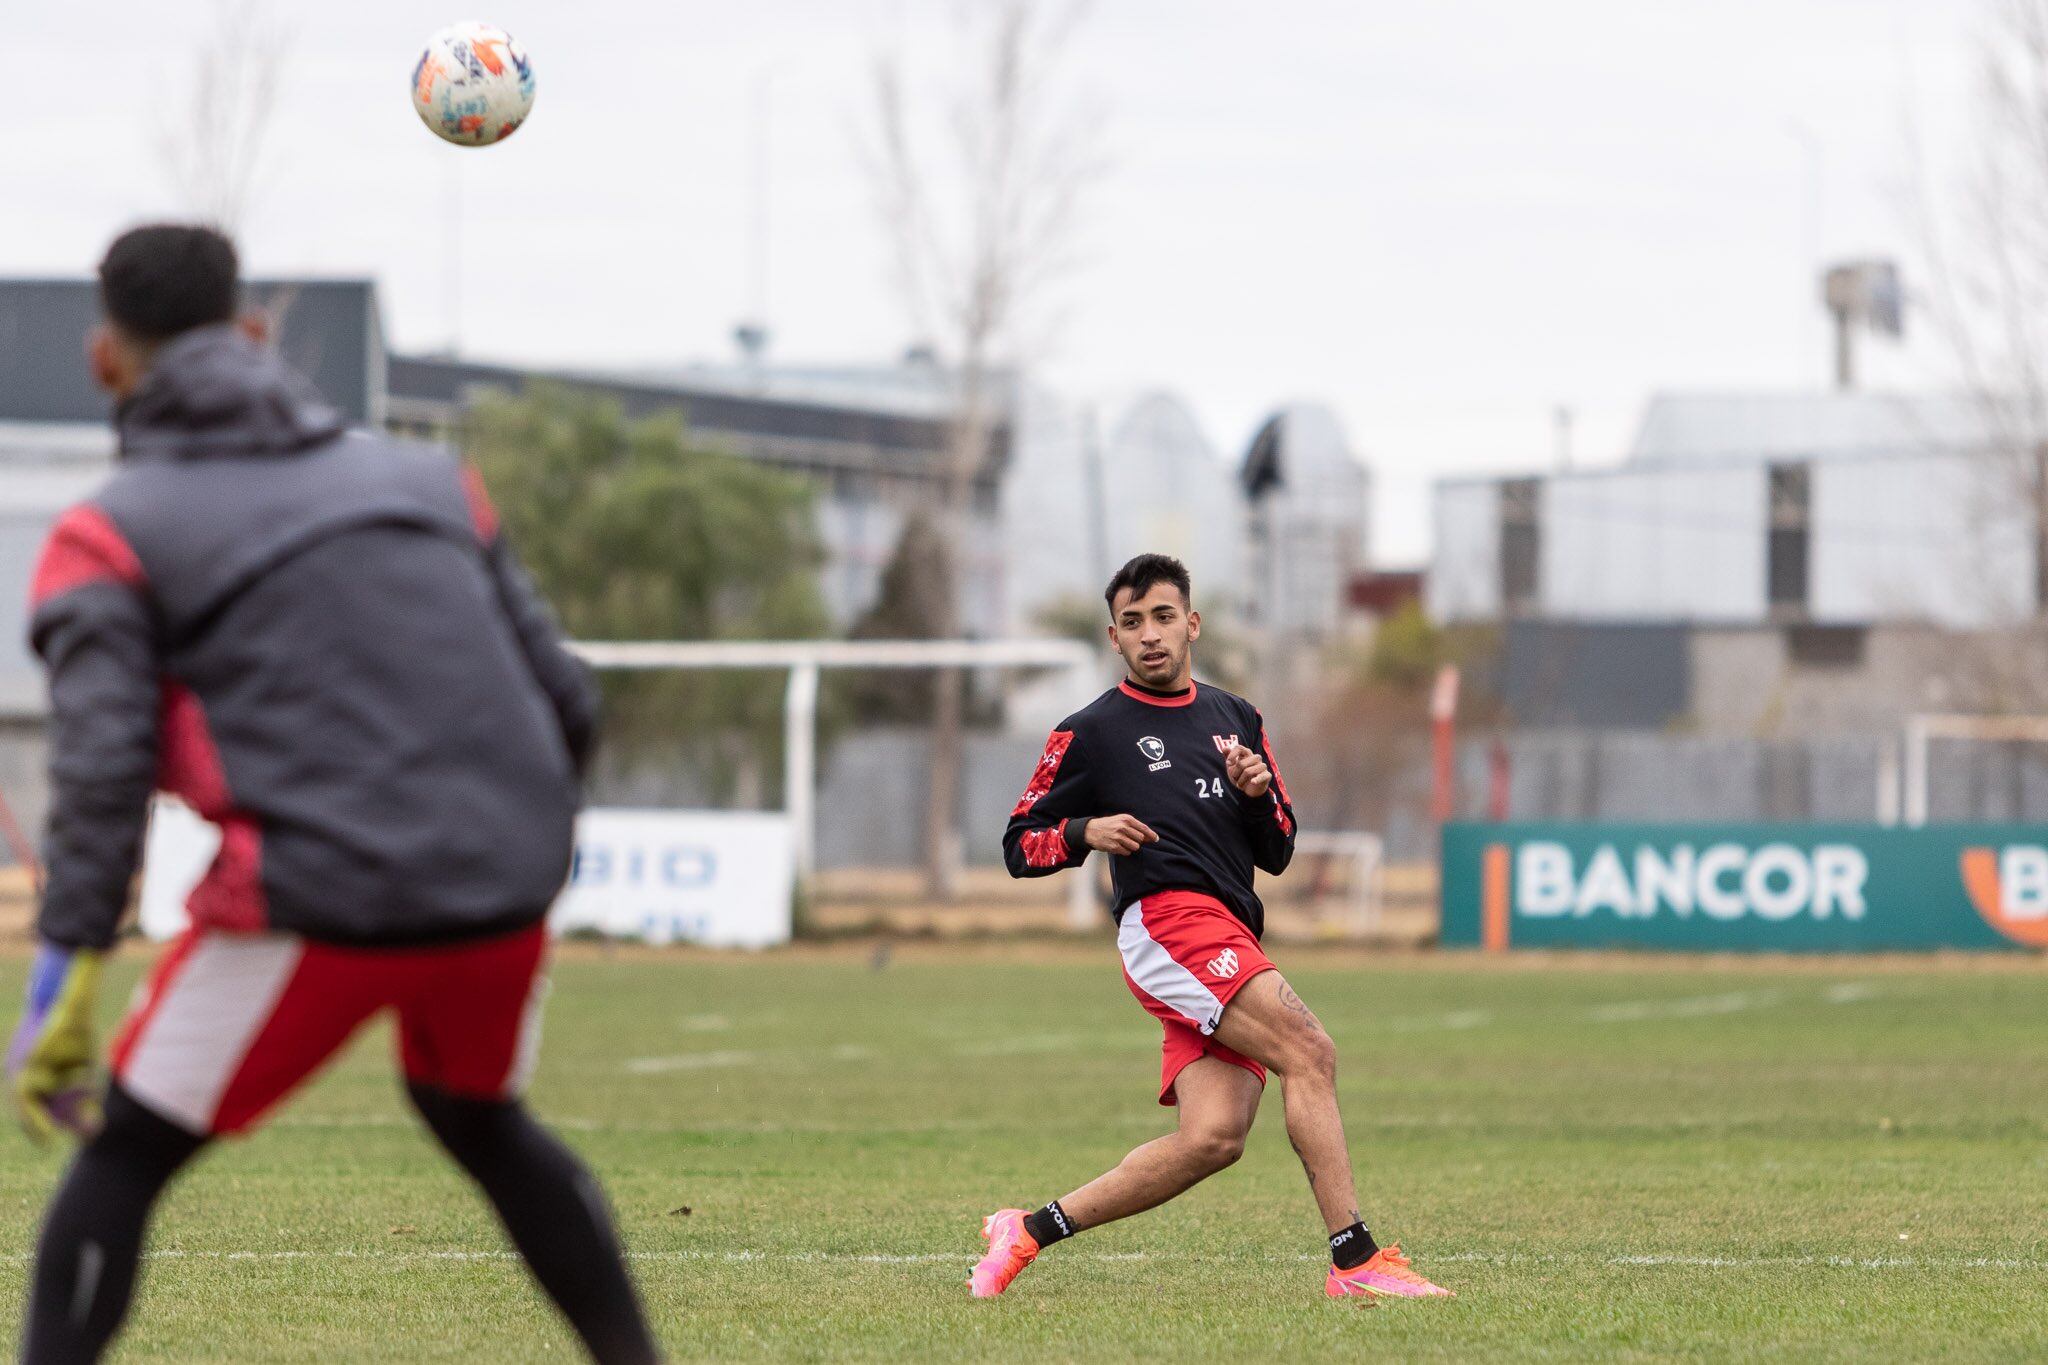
(1247, 771)
(50, 1062)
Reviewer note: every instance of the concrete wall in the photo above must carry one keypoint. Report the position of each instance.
(1660, 545)
(1748, 683)
(1922, 538)
(1463, 583)
(1591, 775)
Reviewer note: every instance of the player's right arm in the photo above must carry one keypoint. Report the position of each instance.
(95, 630)
(1052, 826)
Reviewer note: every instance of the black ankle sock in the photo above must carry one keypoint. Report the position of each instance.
(1353, 1246)
(1050, 1224)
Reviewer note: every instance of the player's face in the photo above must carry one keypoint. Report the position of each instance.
(1153, 633)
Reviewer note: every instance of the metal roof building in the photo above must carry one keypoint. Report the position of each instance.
(1837, 509)
(875, 449)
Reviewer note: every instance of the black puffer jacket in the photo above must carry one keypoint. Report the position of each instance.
(319, 640)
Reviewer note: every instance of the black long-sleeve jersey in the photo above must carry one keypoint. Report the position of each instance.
(1159, 757)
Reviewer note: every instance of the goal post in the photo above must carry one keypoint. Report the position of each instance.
(802, 660)
(1922, 730)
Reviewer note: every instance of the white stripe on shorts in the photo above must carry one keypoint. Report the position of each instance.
(210, 1014)
(527, 1053)
(1162, 978)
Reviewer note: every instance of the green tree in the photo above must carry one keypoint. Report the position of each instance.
(637, 532)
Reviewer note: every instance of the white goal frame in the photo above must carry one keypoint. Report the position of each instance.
(803, 659)
(1921, 732)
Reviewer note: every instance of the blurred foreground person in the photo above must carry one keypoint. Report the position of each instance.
(319, 641)
(1177, 785)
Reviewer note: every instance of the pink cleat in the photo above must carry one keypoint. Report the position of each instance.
(1386, 1275)
(1010, 1249)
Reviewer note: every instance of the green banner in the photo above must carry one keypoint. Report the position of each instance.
(1757, 888)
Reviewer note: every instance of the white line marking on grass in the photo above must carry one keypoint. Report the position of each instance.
(766, 1128)
(689, 1061)
(1025, 1044)
(1732, 1002)
(1688, 1007)
(1743, 1262)
(964, 1258)
(1456, 1019)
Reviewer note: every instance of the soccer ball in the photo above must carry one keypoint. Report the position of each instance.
(473, 86)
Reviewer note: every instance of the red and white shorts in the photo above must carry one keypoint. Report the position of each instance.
(226, 1025)
(1185, 955)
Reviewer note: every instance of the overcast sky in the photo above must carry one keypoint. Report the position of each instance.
(1444, 219)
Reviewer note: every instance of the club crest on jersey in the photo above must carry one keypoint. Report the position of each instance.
(1223, 966)
(1224, 743)
(1155, 751)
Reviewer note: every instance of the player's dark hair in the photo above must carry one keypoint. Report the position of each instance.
(168, 278)
(1143, 573)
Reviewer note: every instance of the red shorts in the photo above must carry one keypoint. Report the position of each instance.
(1185, 956)
(226, 1025)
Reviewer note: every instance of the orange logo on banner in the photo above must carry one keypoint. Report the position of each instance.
(2022, 921)
(1493, 898)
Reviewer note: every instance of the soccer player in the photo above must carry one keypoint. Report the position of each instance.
(1177, 784)
(319, 640)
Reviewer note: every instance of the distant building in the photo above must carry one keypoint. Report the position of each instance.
(1755, 562)
(873, 444)
(1309, 515)
(1838, 509)
(1090, 488)
(1061, 495)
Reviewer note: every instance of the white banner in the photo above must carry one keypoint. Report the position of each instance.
(723, 878)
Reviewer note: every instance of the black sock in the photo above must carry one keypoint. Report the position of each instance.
(1050, 1224)
(86, 1261)
(554, 1213)
(1353, 1246)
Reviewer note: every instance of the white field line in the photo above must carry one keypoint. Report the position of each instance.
(1028, 1044)
(346, 1123)
(1731, 1002)
(689, 1061)
(966, 1258)
(1689, 1007)
(1429, 1023)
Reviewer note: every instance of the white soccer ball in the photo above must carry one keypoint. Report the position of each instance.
(473, 85)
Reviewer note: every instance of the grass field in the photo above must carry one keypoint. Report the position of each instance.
(1608, 1160)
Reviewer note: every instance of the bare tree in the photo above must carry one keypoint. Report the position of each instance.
(216, 153)
(1985, 246)
(977, 189)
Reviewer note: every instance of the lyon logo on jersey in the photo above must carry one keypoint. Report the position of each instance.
(1223, 966)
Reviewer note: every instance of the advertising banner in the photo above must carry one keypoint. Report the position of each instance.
(1759, 888)
(724, 878)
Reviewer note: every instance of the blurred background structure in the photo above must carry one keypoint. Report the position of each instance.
(1831, 518)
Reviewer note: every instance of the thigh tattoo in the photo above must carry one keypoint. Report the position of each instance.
(1296, 1006)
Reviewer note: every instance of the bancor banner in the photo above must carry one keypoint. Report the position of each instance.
(1763, 888)
(716, 877)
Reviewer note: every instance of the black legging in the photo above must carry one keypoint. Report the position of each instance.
(91, 1243)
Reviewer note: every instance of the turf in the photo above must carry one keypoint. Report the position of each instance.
(1677, 1161)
